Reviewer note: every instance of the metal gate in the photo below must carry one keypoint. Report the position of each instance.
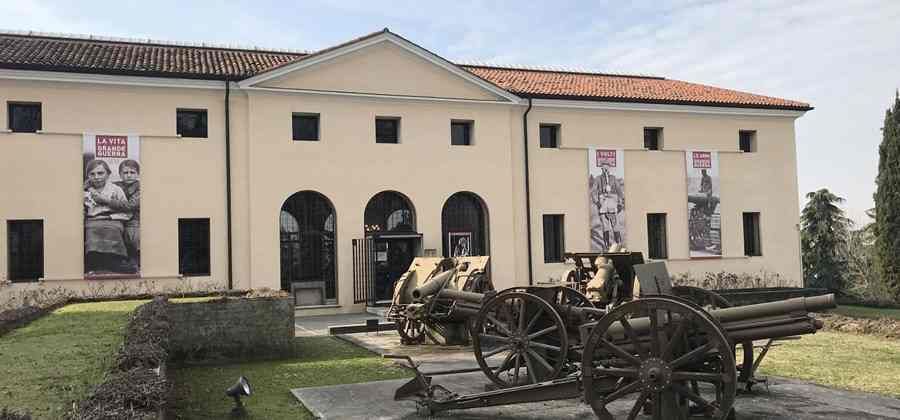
(364, 271)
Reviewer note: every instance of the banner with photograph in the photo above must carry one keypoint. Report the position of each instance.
(606, 201)
(704, 219)
(459, 244)
(112, 205)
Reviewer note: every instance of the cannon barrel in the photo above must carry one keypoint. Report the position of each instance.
(433, 286)
(732, 317)
(464, 296)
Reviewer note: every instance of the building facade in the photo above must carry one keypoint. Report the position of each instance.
(263, 169)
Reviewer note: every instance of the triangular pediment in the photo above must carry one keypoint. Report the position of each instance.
(381, 64)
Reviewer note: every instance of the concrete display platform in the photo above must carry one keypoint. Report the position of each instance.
(786, 400)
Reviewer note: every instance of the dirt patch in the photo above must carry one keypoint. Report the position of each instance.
(882, 327)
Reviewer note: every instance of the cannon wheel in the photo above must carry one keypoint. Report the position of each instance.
(523, 331)
(660, 362)
(710, 300)
(412, 331)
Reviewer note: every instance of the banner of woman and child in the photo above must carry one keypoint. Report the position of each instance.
(112, 205)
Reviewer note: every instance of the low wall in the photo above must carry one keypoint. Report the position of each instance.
(231, 327)
(749, 296)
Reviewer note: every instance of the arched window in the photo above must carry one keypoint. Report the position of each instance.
(308, 243)
(389, 211)
(464, 226)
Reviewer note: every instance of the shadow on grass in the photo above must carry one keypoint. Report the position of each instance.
(317, 361)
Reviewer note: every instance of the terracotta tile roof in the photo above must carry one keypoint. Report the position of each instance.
(606, 87)
(135, 58)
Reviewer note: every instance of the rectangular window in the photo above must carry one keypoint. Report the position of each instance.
(554, 238)
(657, 246)
(549, 136)
(752, 244)
(23, 117)
(306, 127)
(747, 141)
(461, 133)
(191, 123)
(25, 242)
(387, 130)
(193, 247)
(653, 138)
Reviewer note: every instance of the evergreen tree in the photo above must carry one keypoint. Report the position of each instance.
(824, 237)
(887, 203)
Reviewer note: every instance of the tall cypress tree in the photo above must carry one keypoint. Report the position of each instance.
(887, 202)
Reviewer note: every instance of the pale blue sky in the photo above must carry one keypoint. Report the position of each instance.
(841, 56)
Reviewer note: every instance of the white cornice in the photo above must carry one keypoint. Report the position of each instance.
(105, 79)
(690, 109)
(373, 95)
(377, 39)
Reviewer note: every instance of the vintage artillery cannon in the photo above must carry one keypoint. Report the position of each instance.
(549, 343)
(418, 312)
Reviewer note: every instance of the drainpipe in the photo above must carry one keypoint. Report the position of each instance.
(228, 176)
(527, 195)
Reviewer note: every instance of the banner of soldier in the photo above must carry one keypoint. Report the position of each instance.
(606, 201)
(704, 197)
(112, 205)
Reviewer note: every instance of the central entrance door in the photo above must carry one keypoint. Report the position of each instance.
(392, 258)
(390, 222)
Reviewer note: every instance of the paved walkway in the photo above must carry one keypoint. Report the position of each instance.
(311, 326)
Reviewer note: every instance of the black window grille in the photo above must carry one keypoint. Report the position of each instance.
(193, 247)
(307, 226)
(554, 238)
(752, 244)
(389, 211)
(387, 130)
(25, 244)
(306, 127)
(191, 123)
(549, 135)
(747, 141)
(657, 246)
(652, 138)
(461, 133)
(464, 225)
(23, 117)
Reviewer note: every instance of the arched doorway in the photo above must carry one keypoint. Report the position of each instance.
(307, 226)
(464, 226)
(390, 223)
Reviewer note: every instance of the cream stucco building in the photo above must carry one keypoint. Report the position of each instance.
(306, 159)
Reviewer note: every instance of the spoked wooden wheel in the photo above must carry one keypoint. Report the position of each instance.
(411, 331)
(519, 339)
(671, 355)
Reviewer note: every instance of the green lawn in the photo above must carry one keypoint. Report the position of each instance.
(200, 390)
(839, 360)
(867, 312)
(56, 360)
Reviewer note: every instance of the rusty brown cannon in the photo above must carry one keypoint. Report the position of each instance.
(671, 357)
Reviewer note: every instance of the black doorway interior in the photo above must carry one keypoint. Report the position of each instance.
(390, 221)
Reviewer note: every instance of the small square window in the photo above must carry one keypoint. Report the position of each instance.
(387, 130)
(306, 127)
(752, 243)
(554, 238)
(25, 245)
(747, 140)
(24, 117)
(657, 246)
(193, 247)
(653, 138)
(549, 136)
(191, 123)
(461, 133)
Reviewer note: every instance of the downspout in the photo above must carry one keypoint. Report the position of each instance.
(228, 176)
(528, 195)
